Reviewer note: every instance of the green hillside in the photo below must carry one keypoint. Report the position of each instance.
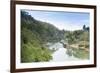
(34, 35)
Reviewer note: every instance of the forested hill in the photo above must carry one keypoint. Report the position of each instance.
(43, 30)
(34, 34)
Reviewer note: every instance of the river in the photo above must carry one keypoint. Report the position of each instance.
(60, 53)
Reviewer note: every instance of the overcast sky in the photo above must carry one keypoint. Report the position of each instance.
(62, 20)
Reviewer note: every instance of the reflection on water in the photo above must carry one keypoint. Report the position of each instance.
(61, 53)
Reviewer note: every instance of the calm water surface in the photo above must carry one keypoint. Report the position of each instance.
(60, 53)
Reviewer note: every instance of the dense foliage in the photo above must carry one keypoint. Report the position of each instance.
(34, 35)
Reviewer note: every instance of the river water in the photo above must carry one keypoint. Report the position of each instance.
(60, 53)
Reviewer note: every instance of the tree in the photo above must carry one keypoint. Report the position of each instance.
(84, 27)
